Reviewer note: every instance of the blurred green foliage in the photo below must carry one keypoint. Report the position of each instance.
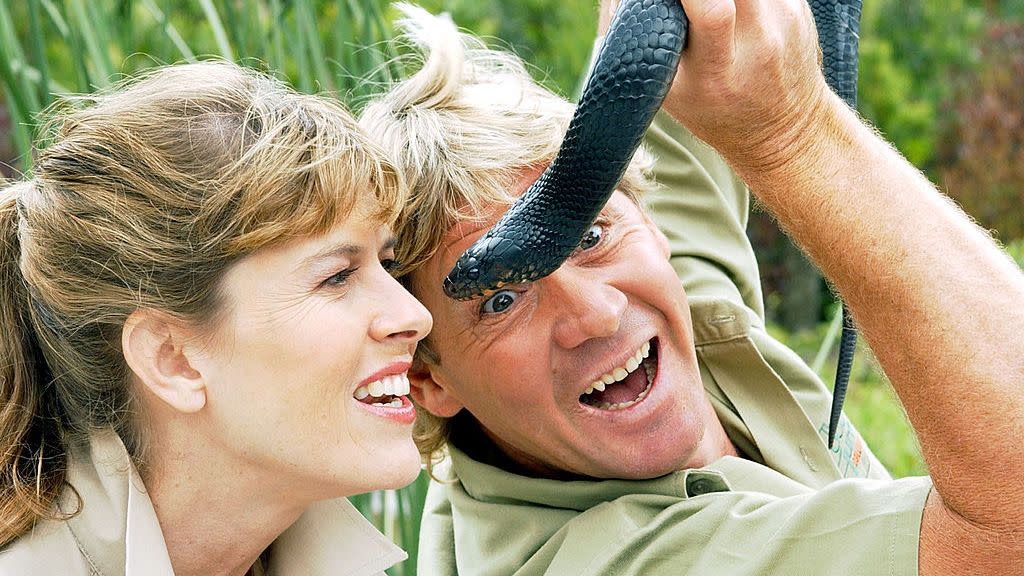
(554, 37)
(913, 55)
(982, 158)
(1016, 251)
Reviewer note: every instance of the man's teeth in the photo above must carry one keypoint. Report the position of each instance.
(393, 385)
(619, 374)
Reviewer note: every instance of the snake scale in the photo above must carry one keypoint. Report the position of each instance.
(629, 80)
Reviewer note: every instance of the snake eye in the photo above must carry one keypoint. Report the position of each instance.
(499, 302)
(592, 237)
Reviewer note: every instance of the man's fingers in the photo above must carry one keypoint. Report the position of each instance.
(711, 44)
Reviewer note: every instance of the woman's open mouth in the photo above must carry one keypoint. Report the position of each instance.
(388, 397)
(626, 385)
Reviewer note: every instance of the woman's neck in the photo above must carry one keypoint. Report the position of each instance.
(217, 515)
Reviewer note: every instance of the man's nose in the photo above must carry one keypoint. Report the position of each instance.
(586, 307)
(400, 318)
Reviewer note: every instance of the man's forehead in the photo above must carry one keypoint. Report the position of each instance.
(458, 239)
(470, 227)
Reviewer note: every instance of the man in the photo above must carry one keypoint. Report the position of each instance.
(519, 374)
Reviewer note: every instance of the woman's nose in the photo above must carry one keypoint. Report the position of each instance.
(587, 307)
(401, 317)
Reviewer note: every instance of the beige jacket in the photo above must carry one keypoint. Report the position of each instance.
(117, 531)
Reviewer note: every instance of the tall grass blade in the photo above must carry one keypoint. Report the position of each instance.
(56, 18)
(99, 57)
(236, 29)
(303, 73)
(828, 343)
(218, 30)
(305, 17)
(39, 52)
(170, 31)
(124, 25)
(20, 94)
(343, 52)
(277, 34)
(22, 134)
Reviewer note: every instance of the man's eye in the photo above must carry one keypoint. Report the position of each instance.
(499, 302)
(390, 265)
(592, 237)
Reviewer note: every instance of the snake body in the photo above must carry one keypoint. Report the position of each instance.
(838, 23)
(630, 78)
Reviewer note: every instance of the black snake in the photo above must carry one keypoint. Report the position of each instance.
(629, 80)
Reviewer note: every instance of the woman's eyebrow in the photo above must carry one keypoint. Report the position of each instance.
(347, 250)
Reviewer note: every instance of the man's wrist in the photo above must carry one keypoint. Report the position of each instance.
(790, 148)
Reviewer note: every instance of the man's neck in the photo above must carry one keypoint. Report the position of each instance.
(478, 444)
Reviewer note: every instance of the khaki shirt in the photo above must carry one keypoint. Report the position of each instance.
(117, 532)
(734, 517)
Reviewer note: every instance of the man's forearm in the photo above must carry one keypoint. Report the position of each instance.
(940, 303)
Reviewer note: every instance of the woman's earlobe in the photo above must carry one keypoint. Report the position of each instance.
(430, 391)
(154, 349)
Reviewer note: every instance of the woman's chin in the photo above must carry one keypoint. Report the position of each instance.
(394, 465)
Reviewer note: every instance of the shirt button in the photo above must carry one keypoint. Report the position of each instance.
(700, 486)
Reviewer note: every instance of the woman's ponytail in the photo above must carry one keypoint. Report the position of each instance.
(32, 456)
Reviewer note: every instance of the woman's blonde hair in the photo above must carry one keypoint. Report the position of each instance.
(147, 194)
(462, 130)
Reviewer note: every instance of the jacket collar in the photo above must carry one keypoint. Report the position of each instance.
(118, 532)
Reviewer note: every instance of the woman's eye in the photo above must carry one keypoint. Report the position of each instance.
(339, 278)
(499, 302)
(592, 237)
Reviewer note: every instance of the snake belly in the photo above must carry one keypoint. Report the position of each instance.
(630, 78)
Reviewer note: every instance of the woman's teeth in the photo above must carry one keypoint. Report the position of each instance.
(388, 386)
(619, 374)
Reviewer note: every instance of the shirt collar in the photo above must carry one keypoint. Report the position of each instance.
(487, 483)
(118, 532)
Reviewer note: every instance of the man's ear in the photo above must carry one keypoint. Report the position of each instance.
(154, 347)
(429, 389)
(659, 236)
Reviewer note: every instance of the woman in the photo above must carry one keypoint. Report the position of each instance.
(203, 349)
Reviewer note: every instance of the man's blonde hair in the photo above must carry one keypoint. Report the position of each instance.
(462, 130)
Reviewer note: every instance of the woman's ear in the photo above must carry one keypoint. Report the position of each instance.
(154, 347)
(430, 390)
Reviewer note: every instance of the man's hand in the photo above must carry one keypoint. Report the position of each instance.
(738, 53)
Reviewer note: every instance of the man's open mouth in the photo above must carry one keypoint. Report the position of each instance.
(626, 385)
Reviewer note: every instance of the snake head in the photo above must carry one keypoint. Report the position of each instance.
(486, 266)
